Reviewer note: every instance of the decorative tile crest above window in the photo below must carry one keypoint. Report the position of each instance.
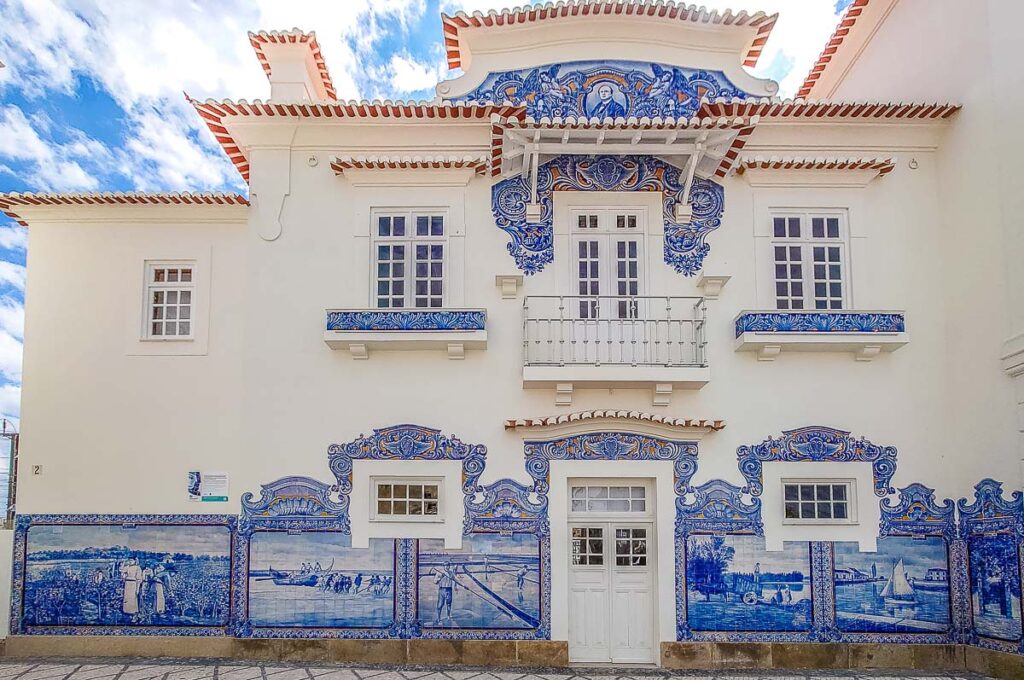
(605, 89)
(531, 243)
(817, 444)
(406, 442)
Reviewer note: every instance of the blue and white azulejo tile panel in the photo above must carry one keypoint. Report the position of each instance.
(317, 580)
(605, 89)
(901, 588)
(492, 583)
(126, 575)
(995, 585)
(734, 584)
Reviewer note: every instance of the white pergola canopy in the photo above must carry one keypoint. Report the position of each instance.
(697, 146)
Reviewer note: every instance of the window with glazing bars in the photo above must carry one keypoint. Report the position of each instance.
(170, 287)
(808, 259)
(410, 259)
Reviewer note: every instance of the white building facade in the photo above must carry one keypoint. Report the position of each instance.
(606, 355)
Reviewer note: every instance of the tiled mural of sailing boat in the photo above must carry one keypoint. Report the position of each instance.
(902, 588)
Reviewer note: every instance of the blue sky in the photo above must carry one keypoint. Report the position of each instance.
(91, 96)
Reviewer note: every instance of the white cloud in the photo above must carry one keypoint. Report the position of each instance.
(52, 165)
(10, 357)
(12, 317)
(12, 274)
(408, 75)
(13, 237)
(10, 403)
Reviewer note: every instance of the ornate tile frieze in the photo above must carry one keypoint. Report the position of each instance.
(406, 320)
(531, 243)
(820, 322)
(604, 89)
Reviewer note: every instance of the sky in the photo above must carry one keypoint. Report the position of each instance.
(91, 98)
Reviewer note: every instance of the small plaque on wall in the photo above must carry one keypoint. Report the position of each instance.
(207, 487)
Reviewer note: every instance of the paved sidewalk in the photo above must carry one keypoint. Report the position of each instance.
(202, 669)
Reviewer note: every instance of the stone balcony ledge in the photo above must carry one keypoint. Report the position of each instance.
(360, 330)
(864, 333)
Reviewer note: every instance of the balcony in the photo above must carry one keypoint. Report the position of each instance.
(865, 334)
(572, 342)
(362, 330)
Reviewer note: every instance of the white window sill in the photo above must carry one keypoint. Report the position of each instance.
(864, 333)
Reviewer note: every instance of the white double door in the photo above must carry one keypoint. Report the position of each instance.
(611, 592)
(607, 280)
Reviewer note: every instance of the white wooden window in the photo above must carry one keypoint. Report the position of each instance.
(631, 547)
(170, 293)
(409, 250)
(809, 260)
(407, 499)
(601, 498)
(818, 501)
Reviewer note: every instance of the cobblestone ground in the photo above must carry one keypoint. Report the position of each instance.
(153, 669)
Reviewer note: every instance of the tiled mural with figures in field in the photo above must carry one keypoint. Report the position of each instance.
(125, 574)
(995, 586)
(492, 582)
(943, 572)
(317, 579)
(733, 583)
(902, 588)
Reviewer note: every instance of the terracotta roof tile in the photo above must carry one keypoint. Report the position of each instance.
(628, 416)
(9, 202)
(258, 40)
(662, 9)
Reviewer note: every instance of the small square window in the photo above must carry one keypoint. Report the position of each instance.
(817, 501)
(407, 500)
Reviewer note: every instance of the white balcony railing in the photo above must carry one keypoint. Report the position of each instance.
(573, 330)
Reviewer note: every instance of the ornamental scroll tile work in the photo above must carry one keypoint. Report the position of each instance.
(824, 322)
(296, 574)
(817, 443)
(122, 575)
(992, 530)
(605, 89)
(407, 320)
(531, 244)
(405, 442)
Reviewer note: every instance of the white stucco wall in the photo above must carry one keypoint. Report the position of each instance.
(116, 432)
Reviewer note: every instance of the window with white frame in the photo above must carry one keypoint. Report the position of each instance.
(809, 260)
(170, 292)
(825, 501)
(415, 499)
(409, 251)
(593, 498)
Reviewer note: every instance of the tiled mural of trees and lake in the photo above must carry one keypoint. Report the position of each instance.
(139, 575)
(901, 588)
(995, 586)
(734, 584)
(316, 579)
(492, 582)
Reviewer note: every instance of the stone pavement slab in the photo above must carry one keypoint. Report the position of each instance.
(203, 669)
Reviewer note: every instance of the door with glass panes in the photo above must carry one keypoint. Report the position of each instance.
(605, 308)
(611, 573)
